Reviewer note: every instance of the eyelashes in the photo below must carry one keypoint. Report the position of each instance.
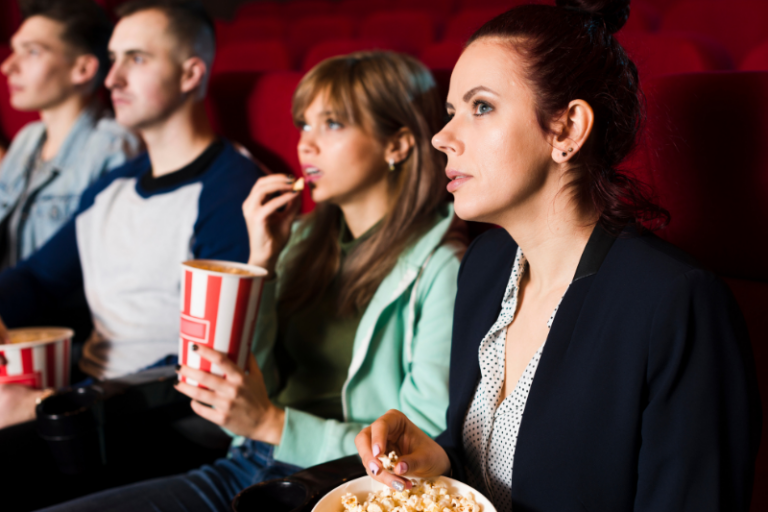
(479, 109)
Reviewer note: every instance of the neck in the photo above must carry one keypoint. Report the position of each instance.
(363, 211)
(58, 122)
(552, 234)
(179, 139)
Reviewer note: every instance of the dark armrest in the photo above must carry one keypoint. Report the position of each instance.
(300, 491)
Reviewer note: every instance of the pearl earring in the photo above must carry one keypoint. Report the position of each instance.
(391, 165)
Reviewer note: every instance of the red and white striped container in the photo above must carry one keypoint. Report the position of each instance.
(219, 310)
(42, 362)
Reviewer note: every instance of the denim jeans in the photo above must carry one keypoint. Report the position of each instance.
(208, 489)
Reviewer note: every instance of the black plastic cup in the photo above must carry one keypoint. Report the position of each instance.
(72, 424)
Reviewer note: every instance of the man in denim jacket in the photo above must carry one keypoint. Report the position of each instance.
(59, 61)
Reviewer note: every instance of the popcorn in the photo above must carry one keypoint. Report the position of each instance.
(389, 461)
(298, 185)
(426, 496)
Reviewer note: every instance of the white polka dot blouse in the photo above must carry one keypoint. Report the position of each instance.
(490, 432)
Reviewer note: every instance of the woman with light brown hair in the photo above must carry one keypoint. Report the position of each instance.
(356, 316)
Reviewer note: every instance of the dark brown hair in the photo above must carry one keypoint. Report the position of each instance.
(570, 53)
(87, 28)
(383, 92)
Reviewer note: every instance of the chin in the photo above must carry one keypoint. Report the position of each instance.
(472, 210)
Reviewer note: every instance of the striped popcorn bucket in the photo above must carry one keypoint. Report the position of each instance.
(219, 306)
(37, 357)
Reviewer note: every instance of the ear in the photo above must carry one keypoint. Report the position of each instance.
(399, 146)
(572, 130)
(193, 74)
(84, 69)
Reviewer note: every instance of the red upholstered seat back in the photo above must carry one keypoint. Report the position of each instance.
(252, 56)
(256, 9)
(710, 169)
(661, 54)
(250, 28)
(442, 55)
(10, 19)
(757, 59)
(408, 30)
(11, 120)
(328, 49)
(739, 25)
(271, 125)
(364, 8)
(465, 23)
(298, 8)
(307, 32)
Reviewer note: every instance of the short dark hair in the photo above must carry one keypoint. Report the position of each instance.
(87, 27)
(187, 20)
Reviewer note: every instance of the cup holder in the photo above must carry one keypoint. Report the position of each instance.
(274, 495)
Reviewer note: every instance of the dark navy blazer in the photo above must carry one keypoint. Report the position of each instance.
(645, 398)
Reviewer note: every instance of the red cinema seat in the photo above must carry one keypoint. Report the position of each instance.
(252, 56)
(308, 32)
(271, 125)
(661, 54)
(360, 8)
(11, 120)
(462, 25)
(739, 25)
(642, 18)
(441, 8)
(257, 28)
(227, 96)
(328, 49)
(299, 8)
(10, 19)
(255, 9)
(408, 31)
(757, 59)
(504, 5)
(709, 167)
(442, 55)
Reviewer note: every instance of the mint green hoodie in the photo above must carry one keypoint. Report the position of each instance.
(400, 354)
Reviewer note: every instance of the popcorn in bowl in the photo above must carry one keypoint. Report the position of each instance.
(425, 496)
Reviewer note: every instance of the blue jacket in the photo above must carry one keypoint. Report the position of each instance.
(645, 398)
(95, 144)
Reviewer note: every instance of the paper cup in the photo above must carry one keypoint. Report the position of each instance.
(37, 357)
(360, 487)
(218, 309)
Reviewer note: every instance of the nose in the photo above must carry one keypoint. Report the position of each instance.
(8, 64)
(307, 144)
(114, 78)
(445, 140)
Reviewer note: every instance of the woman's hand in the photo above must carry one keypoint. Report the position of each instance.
(419, 455)
(238, 401)
(269, 228)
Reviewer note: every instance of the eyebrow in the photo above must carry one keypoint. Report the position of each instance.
(130, 53)
(472, 92)
(27, 44)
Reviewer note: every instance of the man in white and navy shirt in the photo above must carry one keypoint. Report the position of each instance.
(134, 227)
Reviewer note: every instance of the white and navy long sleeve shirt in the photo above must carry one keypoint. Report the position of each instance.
(124, 247)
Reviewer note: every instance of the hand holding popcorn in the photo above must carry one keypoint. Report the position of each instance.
(419, 455)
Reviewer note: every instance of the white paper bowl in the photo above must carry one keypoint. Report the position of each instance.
(360, 487)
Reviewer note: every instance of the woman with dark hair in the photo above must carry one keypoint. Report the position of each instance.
(598, 362)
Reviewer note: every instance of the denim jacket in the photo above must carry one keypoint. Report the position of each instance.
(94, 145)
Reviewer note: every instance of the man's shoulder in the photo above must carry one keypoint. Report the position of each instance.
(231, 172)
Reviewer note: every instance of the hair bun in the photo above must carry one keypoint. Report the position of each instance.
(613, 12)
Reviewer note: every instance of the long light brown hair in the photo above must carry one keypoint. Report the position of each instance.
(383, 92)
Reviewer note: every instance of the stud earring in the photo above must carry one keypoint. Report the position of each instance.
(391, 165)
(564, 153)
(570, 150)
